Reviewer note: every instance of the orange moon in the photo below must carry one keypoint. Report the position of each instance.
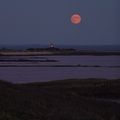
(75, 18)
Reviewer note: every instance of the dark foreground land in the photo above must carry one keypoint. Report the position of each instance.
(90, 99)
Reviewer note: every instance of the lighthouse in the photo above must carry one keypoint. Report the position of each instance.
(51, 45)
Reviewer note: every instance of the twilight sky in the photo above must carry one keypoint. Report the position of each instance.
(44, 21)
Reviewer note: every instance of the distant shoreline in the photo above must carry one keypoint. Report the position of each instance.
(66, 52)
(37, 65)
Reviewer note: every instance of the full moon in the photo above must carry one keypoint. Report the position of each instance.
(75, 18)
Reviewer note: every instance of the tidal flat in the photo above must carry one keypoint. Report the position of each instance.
(15, 69)
(70, 99)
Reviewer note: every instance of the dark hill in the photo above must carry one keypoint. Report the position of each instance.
(60, 100)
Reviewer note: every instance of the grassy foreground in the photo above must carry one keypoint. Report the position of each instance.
(61, 100)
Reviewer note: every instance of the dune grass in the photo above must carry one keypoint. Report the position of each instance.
(60, 100)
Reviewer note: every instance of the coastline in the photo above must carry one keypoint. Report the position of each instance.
(23, 64)
(56, 51)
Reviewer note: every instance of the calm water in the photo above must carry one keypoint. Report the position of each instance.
(36, 74)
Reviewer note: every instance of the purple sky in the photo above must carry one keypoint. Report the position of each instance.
(44, 21)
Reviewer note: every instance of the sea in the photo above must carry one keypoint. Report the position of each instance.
(107, 67)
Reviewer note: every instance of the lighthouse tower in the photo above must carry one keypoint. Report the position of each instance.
(51, 45)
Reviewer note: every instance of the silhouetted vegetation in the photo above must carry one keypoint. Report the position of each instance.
(58, 51)
(60, 100)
